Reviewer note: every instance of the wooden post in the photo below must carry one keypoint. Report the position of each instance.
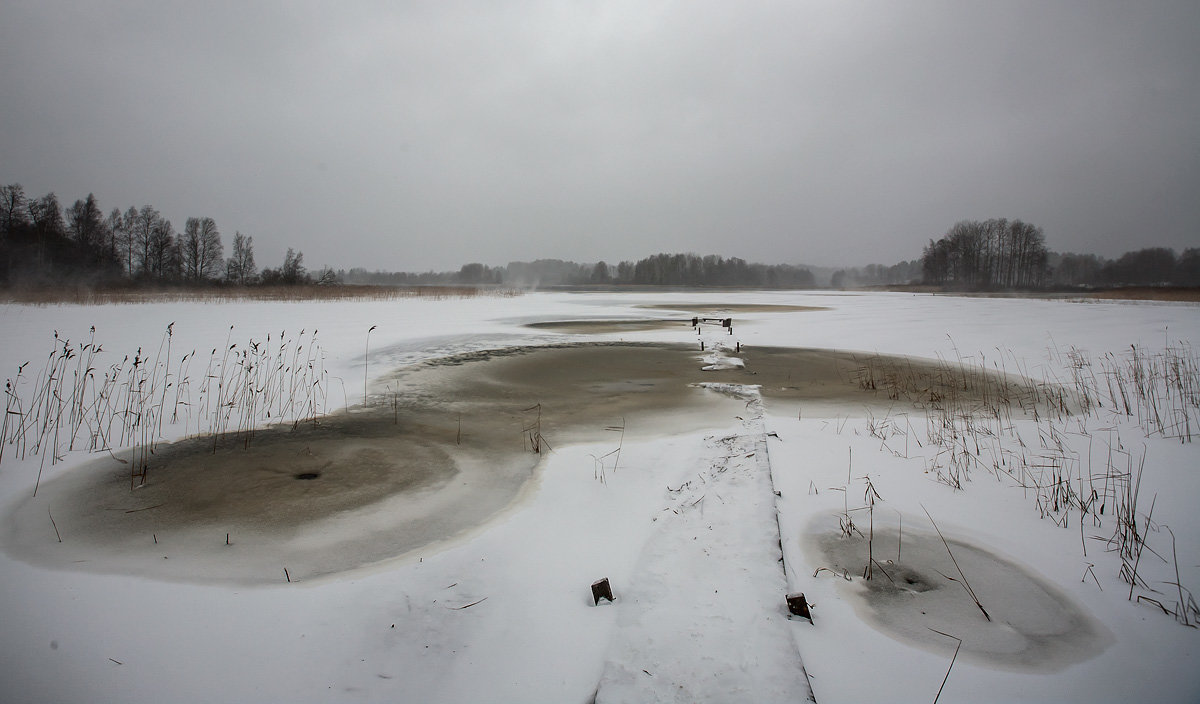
(601, 590)
(798, 606)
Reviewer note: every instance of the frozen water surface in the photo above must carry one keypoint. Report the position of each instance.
(494, 603)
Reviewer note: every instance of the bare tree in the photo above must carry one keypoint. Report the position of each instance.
(200, 248)
(157, 248)
(142, 231)
(293, 271)
(114, 226)
(85, 223)
(327, 277)
(127, 240)
(996, 253)
(164, 260)
(190, 249)
(1028, 246)
(12, 208)
(240, 269)
(48, 226)
(214, 251)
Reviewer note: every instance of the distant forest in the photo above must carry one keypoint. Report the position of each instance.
(44, 244)
(655, 270)
(1000, 254)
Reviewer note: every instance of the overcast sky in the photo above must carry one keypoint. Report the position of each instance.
(414, 136)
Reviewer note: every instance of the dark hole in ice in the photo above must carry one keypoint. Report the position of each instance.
(909, 579)
(308, 475)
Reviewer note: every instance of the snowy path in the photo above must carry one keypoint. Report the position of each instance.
(715, 552)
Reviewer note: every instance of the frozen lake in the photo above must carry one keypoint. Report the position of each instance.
(454, 564)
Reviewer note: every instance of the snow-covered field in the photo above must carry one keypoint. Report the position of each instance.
(685, 527)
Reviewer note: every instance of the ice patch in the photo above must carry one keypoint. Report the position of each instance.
(719, 362)
(745, 392)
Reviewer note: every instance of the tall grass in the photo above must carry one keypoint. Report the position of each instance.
(78, 401)
(972, 413)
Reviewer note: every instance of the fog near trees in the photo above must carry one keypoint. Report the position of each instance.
(903, 273)
(994, 255)
(43, 243)
(655, 270)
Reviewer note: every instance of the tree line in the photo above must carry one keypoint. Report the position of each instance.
(42, 243)
(905, 272)
(987, 254)
(1010, 254)
(1151, 266)
(655, 270)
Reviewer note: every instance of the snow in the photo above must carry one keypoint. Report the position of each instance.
(684, 526)
(717, 532)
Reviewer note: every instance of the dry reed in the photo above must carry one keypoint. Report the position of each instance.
(79, 402)
(979, 415)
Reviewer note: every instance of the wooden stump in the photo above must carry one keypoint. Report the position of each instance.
(798, 606)
(601, 590)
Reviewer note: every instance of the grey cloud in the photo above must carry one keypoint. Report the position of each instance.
(421, 135)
